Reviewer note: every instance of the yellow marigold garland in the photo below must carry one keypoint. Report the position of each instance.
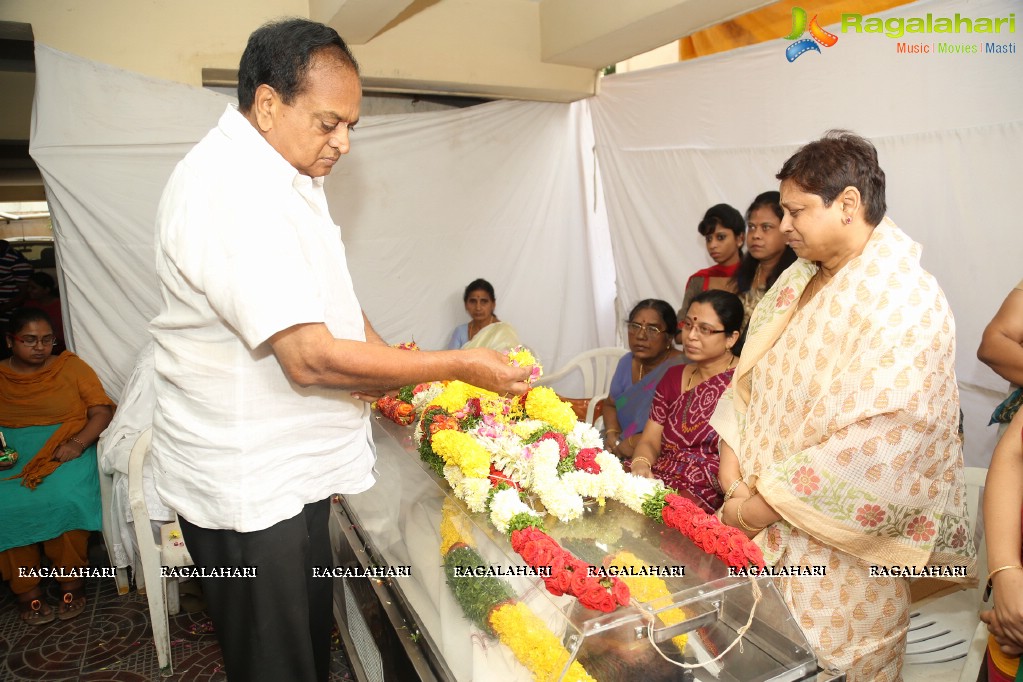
(544, 404)
(462, 450)
(454, 529)
(651, 590)
(534, 644)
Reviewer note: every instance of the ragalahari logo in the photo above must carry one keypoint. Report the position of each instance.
(817, 35)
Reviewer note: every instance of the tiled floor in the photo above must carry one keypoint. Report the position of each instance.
(111, 642)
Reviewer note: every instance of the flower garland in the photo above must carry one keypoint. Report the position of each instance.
(705, 530)
(489, 603)
(492, 450)
(399, 409)
(568, 574)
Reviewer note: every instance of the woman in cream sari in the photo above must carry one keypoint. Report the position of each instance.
(839, 432)
(483, 330)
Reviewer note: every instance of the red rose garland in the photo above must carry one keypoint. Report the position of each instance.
(708, 533)
(568, 575)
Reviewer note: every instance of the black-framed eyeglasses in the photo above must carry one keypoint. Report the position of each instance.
(701, 329)
(649, 329)
(35, 340)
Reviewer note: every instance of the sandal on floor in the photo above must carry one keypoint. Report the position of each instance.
(72, 604)
(36, 612)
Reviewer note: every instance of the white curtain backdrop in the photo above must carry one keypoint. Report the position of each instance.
(673, 141)
(510, 191)
(427, 203)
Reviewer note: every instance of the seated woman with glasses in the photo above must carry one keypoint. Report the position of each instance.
(650, 328)
(52, 410)
(678, 445)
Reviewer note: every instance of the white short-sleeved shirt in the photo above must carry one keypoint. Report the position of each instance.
(245, 249)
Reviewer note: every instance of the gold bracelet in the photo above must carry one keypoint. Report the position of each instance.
(731, 489)
(738, 515)
(987, 590)
(643, 459)
(612, 431)
(83, 445)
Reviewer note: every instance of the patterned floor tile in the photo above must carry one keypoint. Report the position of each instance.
(111, 641)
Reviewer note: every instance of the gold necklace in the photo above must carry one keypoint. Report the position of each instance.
(689, 386)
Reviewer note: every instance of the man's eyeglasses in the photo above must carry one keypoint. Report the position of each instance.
(701, 329)
(649, 329)
(35, 340)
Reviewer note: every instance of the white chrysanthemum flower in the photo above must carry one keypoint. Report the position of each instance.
(526, 427)
(503, 506)
(453, 474)
(584, 436)
(561, 502)
(633, 489)
(474, 493)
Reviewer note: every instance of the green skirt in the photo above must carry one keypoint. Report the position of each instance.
(67, 499)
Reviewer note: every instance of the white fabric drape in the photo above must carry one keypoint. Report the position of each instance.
(427, 203)
(673, 141)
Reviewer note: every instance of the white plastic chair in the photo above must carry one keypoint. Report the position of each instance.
(162, 593)
(597, 367)
(946, 638)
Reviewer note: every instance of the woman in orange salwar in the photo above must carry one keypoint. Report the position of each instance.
(839, 432)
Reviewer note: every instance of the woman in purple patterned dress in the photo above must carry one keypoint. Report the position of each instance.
(678, 445)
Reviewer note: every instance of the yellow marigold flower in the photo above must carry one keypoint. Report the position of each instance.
(462, 450)
(457, 394)
(453, 527)
(544, 404)
(533, 644)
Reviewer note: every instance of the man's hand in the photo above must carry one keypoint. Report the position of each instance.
(490, 370)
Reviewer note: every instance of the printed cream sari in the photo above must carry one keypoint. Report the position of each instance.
(844, 414)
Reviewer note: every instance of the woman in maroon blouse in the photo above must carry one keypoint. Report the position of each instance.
(678, 444)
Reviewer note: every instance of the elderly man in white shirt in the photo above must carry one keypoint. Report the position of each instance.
(264, 358)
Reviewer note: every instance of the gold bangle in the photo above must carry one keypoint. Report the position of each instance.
(612, 431)
(80, 443)
(731, 489)
(643, 459)
(987, 590)
(738, 515)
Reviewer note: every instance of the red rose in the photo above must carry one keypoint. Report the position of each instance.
(721, 544)
(598, 598)
(621, 592)
(683, 504)
(586, 460)
(735, 559)
(705, 540)
(754, 555)
(552, 585)
(736, 538)
(558, 438)
(566, 578)
(581, 579)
